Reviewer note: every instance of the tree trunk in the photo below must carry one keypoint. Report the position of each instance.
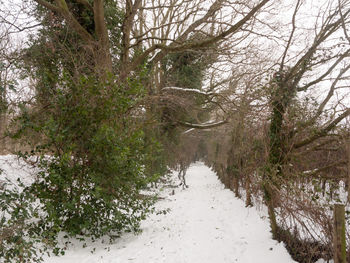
(2, 133)
(339, 246)
(282, 94)
(236, 185)
(268, 196)
(273, 222)
(348, 155)
(248, 201)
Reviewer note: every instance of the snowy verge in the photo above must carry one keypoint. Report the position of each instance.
(206, 224)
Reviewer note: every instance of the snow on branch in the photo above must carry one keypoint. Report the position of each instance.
(203, 125)
(316, 172)
(189, 130)
(190, 90)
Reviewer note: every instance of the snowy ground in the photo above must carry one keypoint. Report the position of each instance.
(206, 224)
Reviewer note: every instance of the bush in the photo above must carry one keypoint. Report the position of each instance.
(91, 164)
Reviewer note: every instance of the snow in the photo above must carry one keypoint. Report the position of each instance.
(13, 168)
(190, 90)
(205, 125)
(189, 130)
(206, 224)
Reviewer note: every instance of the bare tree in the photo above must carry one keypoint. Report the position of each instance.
(152, 29)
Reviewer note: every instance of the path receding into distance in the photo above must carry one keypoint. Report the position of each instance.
(206, 224)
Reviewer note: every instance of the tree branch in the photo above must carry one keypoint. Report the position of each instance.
(343, 23)
(291, 35)
(210, 41)
(62, 9)
(315, 173)
(48, 5)
(328, 97)
(330, 69)
(130, 13)
(201, 44)
(196, 91)
(202, 126)
(102, 34)
(324, 131)
(86, 4)
(301, 65)
(79, 29)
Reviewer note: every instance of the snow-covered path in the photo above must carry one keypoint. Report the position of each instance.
(206, 224)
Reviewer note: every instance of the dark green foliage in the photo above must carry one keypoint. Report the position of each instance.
(90, 183)
(88, 133)
(17, 237)
(282, 94)
(185, 69)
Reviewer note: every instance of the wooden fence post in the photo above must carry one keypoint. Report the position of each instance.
(339, 245)
(347, 143)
